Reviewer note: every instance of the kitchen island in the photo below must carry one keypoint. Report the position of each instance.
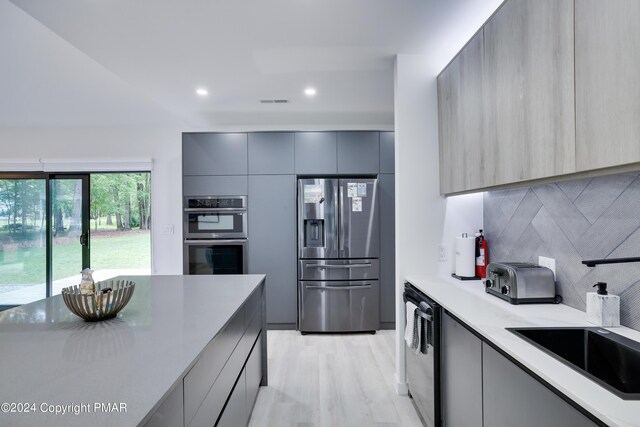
(183, 351)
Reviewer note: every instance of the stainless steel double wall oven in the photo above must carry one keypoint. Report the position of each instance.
(215, 235)
(338, 255)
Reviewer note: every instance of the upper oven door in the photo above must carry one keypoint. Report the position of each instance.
(215, 223)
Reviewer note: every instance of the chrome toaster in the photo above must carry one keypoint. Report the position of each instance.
(521, 283)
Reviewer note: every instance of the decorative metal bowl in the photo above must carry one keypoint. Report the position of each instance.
(108, 299)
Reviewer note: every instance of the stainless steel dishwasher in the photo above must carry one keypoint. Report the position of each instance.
(423, 367)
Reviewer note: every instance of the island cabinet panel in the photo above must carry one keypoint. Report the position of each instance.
(461, 375)
(272, 243)
(271, 153)
(253, 377)
(171, 412)
(213, 360)
(528, 84)
(226, 395)
(513, 398)
(254, 325)
(234, 414)
(358, 152)
(316, 153)
(465, 154)
(607, 83)
(214, 153)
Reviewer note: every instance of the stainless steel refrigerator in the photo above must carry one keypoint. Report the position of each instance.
(338, 255)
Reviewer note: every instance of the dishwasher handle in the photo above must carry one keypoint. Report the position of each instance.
(426, 312)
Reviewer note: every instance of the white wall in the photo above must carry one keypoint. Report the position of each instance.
(424, 219)
(112, 144)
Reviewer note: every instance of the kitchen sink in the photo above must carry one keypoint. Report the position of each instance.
(609, 359)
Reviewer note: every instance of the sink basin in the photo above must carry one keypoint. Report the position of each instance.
(609, 359)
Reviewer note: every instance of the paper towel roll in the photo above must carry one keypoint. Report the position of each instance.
(466, 256)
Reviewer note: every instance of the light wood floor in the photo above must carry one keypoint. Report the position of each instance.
(332, 380)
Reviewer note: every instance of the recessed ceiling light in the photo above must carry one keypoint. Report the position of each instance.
(202, 91)
(310, 91)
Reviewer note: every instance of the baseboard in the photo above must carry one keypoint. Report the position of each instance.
(281, 326)
(402, 388)
(387, 325)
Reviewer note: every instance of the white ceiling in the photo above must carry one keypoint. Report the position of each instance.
(106, 62)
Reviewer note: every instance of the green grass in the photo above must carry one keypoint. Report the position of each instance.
(27, 265)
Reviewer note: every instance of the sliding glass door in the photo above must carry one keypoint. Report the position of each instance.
(23, 239)
(69, 218)
(44, 225)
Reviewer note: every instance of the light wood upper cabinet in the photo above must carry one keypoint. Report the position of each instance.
(529, 90)
(463, 151)
(607, 83)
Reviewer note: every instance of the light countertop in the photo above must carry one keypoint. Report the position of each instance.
(489, 316)
(51, 357)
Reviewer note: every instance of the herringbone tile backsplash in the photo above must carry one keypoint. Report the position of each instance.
(571, 221)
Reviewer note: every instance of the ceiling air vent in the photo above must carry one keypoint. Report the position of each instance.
(274, 101)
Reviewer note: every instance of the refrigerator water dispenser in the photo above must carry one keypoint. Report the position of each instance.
(314, 233)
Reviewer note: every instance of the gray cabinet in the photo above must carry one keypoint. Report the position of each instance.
(513, 398)
(170, 413)
(253, 377)
(358, 152)
(464, 152)
(209, 381)
(387, 250)
(272, 242)
(223, 382)
(387, 152)
(316, 153)
(607, 84)
(461, 375)
(214, 153)
(232, 185)
(234, 414)
(529, 90)
(271, 153)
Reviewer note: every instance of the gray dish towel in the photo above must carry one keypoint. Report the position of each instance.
(413, 330)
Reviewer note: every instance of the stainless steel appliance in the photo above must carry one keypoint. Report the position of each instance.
(215, 235)
(521, 283)
(215, 256)
(215, 217)
(338, 251)
(423, 368)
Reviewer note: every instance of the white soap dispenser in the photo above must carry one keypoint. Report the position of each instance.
(603, 309)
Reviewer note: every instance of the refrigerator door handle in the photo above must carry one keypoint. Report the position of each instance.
(338, 288)
(341, 221)
(364, 265)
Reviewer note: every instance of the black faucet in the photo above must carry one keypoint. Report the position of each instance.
(594, 262)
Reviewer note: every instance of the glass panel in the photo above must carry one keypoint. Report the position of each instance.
(120, 224)
(225, 259)
(66, 229)
(22, 240)
(219, 259)
(215, 222)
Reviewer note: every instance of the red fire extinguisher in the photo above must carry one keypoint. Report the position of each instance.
(482, 255)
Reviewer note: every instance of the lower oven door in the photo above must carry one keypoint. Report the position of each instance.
(215, 257)
(335, 306)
